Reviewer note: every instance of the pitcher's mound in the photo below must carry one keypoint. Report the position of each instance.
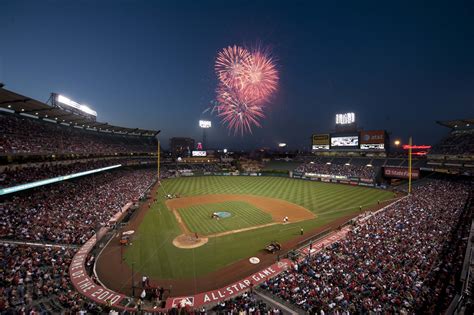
(189, 241)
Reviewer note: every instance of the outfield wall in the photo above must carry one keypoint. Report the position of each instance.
(354, 181)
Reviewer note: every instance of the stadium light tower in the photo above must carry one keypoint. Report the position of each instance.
(204, 124)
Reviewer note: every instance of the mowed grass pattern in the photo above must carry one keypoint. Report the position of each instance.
(154, 254)
(244, 215)
(314, 196)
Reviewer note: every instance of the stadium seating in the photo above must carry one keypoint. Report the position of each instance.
(68, 212)
(456, 144)
(247, 303)
(17, 174)
(382, 266)
(350, 170)
(359, 161)
(395, 162)
(35, 279)
(23, 135)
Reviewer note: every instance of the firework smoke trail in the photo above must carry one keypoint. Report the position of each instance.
(247, 82)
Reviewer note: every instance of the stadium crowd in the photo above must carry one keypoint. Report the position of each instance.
(29, 136)
(456, 144)
(70, 212)
(34, 280)
(201, 167)
(16, 174)
(247, 303)
(381, 266)
(182, 169)
(350, 170)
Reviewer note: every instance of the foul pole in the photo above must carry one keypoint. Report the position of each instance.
(158, 155)
(158, 160)
(409, 165)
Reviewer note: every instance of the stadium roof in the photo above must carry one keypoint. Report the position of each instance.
(26, 105)
(457, 123)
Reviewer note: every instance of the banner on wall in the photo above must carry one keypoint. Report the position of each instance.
(401, 172)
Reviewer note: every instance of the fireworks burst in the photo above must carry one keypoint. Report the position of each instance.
(231, 65)
(238, 113)
(261, 77)
(247, 82)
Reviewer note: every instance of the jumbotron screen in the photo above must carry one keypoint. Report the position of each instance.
(345, 141)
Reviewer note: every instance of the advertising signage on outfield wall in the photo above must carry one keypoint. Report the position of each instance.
(400, 172)
(325, 176)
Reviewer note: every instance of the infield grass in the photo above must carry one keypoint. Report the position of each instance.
(243, 215)
(154, 254)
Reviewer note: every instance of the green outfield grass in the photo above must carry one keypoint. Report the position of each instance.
(243, 215)
(154, 254)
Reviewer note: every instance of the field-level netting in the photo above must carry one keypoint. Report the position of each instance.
(243, 215)
(153, 253)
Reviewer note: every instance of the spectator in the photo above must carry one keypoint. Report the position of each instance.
(247, 303)
(456, 144)
(382, 265)
(69, 212)
(20, 134)
(351, 170)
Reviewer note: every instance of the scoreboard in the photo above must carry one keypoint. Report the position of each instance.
(371, 140)
(321, 141)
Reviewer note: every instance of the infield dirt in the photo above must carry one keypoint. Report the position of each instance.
(277, 208)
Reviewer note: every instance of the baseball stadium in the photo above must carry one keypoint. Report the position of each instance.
(143, 203)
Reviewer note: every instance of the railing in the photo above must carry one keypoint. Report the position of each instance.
(279, 300)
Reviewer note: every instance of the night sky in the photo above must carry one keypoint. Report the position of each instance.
(399, 66)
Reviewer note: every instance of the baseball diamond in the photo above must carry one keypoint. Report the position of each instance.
(258, 206)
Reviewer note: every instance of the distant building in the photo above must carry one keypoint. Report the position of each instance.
(181, 146)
